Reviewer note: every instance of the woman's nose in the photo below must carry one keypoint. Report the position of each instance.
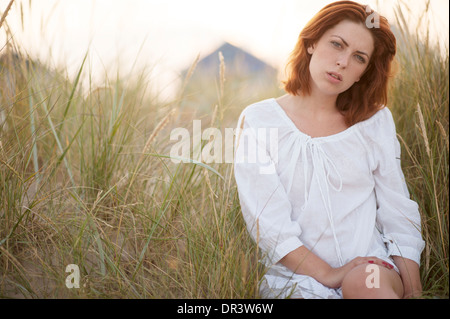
(342, 61)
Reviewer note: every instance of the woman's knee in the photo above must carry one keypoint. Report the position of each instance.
(372, 282)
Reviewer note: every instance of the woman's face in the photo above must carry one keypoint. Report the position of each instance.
(340, 57)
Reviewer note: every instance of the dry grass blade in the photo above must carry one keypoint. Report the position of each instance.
(158, 129)
(6, 13)
(213, 117)
(222, 74)
(188, 76)
(208, 182)
(423, 130)
(147, 145)
(444, 134)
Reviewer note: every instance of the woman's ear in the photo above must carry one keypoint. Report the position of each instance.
(311, 49)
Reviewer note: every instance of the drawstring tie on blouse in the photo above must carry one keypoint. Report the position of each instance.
(322, 167)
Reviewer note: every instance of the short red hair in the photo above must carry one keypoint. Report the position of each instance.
(368, 95)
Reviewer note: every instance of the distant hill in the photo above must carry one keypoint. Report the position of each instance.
(237, 61)
(247, 79)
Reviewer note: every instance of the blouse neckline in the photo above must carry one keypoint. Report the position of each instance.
(337, 135)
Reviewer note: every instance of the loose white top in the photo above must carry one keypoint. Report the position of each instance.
(341, 196)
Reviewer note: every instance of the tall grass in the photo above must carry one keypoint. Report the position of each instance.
(85, 179)
(419, 98)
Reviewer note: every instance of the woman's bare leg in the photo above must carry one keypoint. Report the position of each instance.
(372, 282)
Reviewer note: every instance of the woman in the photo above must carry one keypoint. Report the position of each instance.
(325, 199)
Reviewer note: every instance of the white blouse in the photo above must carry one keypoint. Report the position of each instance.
(341, 196)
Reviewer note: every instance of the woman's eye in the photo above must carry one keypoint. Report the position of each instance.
(360, 58)
(336, 44)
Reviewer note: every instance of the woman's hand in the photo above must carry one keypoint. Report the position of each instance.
(410, 274)
(334, 277)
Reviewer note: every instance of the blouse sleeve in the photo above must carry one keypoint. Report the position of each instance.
(264, 203)
(398, 216)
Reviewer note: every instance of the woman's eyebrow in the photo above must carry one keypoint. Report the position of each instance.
(346, 44)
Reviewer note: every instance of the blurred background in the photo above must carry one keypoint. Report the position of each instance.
(168, 35)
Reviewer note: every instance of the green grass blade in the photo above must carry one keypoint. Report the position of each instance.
(72, 93)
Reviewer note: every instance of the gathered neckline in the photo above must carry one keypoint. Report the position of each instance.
(326, 137)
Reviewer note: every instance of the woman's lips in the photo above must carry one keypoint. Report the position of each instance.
(334, 77)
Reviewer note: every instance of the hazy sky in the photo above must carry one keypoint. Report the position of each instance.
(168, 34)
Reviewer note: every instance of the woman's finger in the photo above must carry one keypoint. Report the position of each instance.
(380, 262)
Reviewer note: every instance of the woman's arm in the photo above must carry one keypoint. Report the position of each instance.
(302, 261)
(410, 274)
(398, 215)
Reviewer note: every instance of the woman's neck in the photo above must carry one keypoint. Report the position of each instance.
(312, 116)
(317, 105)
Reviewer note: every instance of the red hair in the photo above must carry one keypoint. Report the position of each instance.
(366, 96)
